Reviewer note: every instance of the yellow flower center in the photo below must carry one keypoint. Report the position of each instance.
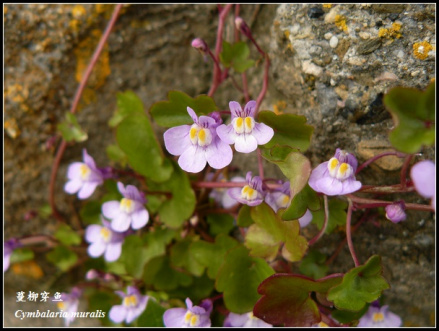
(105, 233)
(200, 136)
(126, 205)
(344, 171)
(191, 319)
(332, 166)
(85, 171)
(241, 125)
(323, 325)
(378, 317)
(61, 305)
(283, 200)
(130, 301)
(249, 124)
(248, 193)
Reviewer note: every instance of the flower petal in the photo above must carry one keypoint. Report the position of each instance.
(174, 317)
(319, 172)
(87, 190)
(88, 160)
(111, 209)
(226, 133)
(131, 192)
(92, 234)
(96, 249)
(121, 223)
(305, 219)
(218, 154)
(329, 186)
(193, 159)
(263, 133)
(350, 185)
(74, 170)
(73, 186)
(192, 114)
(177, 139)
(235, 109)
(245, 143)
(250, 108)
(118, 313)
(139, 219)
(112, 253)
(423, 176)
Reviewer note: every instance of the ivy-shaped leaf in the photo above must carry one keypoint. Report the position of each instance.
(159, 273)
(21, 254)
(137, 140)
(307, 198)
(180, 206)
(345, 317)
(116, 154)
(239, 278)
(128, 103)
(244, 218)
(152, 316)
(62, 257)
(70, 129)
(313, 265)
(174, 112)
(277, 152)
(236, 56)
(90, 212)
(289, 130)
(181, 256)
(269, 232)
(104, 301)
(211, 255)
(220, 223)
(360, 285)
(286, 299)
(66, 235)
(337, 215)
(201, 288)
(413, 112)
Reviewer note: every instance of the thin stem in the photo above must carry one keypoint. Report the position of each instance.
(261, 167)
(404, 170)
(264, 83)
(243, 75)
(376, 157)
(349, 234)
(325, 223)
(386, 189)
(227, 185)
(372, 203)
(39, 239)
(74, 107)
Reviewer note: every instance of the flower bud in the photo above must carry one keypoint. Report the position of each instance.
(200, 44)
(243, 27)
(395, 212)
(91, 274)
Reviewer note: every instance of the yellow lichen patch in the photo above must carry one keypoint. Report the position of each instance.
(27, 268)
(392, 33)
(279, 107)
(17, 94)
(340, 22)
(327, 5)
(383, 33)
(11, 128)
(78, 11)
(287, 34)
(420, 50)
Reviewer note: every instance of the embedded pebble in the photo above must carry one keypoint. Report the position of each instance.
(311, 69)
(333, 42)
(328, 35)
(364, 35)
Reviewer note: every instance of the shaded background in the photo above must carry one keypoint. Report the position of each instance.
(330, 63)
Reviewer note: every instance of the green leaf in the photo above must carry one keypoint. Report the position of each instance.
(201, 288)
(114, 153)
(313, 265)
(174, 112)
(103, 301)
(177, 209)
(360, 285)
(297, 168)
(62, 257)
(154, 242)
(244, 218)
(220, 223)
(348, 316)
(70, 129)
(128, 103)
(21, 254)
(152, 316)
(239, 278)
(137, 140)
(236, 56)
(337, 215)
(181, 256)
(90, 213)
(286, 299)
(45, 211)
(413, 112)
(66, 235)
(307, 198)
(211, 255)
(277, 153)
(289, 130)
(159, 273)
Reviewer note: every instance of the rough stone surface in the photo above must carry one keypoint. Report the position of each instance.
(338, 89)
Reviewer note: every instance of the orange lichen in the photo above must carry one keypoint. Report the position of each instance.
(420, 50)
(287, 34)
(279, 107)
(340, 22)
(78, 11)
(327, 5)
(27, 268)
(392, 33)
(11, 128)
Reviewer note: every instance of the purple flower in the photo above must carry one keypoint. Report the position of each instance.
(220, 194)
(395, 212)
(244, 131)
(305, 219)
(9, 247)
(84, 177)
(104, 240)
(130, 211)
(251, 194)
(423, 175)
(69, 304)
(193, 316)
(198, 143)
(279, 197)
(336, 176)
(379, 317)
(247, 320)
(133, 305)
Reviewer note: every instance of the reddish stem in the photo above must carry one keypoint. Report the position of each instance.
(404, 170)
(376, 157)
(261, 167)
(386, 189)
(349, 234)
(264, 84)
(372, 203)
(75, 103)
